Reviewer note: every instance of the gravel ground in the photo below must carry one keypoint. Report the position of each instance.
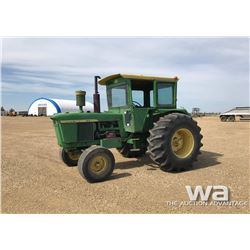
(34, 180)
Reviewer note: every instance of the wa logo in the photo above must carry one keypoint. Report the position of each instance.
(218, 193)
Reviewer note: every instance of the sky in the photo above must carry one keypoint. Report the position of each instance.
(213, 72)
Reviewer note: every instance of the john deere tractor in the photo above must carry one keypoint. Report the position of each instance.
(142, 117)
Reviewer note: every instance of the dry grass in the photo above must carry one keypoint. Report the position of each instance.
(34, 180)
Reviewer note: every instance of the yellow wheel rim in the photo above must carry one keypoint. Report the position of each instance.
(98, 164)
(182, 143)
(74, 155)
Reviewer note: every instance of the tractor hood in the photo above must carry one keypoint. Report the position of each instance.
(86, 117)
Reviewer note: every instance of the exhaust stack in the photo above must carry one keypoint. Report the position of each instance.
(96, 97)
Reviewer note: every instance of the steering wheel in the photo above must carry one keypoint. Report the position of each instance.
(136, 104)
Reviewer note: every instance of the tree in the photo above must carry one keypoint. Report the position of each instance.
(12, 110)
(2, 108)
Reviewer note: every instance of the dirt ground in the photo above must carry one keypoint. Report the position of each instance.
(34, 180)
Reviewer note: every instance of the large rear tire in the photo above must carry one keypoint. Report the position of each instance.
(174, 142)
(96, 164)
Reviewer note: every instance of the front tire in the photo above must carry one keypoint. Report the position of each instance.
(70, 158)
(96, 164)
(174, 142)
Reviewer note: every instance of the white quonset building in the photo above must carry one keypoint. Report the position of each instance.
(47, 107)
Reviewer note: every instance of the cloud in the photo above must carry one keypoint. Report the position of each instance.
(213, 71)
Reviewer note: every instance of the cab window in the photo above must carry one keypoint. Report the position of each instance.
(118, 96)
(165, 94)
(138, 97)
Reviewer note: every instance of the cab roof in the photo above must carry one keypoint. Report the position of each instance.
(105, 80)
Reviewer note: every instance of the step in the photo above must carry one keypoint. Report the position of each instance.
(134, 149)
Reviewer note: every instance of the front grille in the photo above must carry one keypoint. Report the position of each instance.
(85, 131)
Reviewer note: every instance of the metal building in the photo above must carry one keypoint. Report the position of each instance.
(47, 107)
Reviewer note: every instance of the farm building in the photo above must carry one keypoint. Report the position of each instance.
(47, 107)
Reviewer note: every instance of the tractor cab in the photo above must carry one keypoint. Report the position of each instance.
(138, 97)
(139, 91)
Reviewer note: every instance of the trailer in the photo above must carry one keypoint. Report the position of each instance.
(230, 116)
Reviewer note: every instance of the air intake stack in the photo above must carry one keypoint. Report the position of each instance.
(80, 99)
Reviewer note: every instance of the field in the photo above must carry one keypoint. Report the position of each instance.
(34, 180)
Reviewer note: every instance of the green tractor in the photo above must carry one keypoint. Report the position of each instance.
(142, 117)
